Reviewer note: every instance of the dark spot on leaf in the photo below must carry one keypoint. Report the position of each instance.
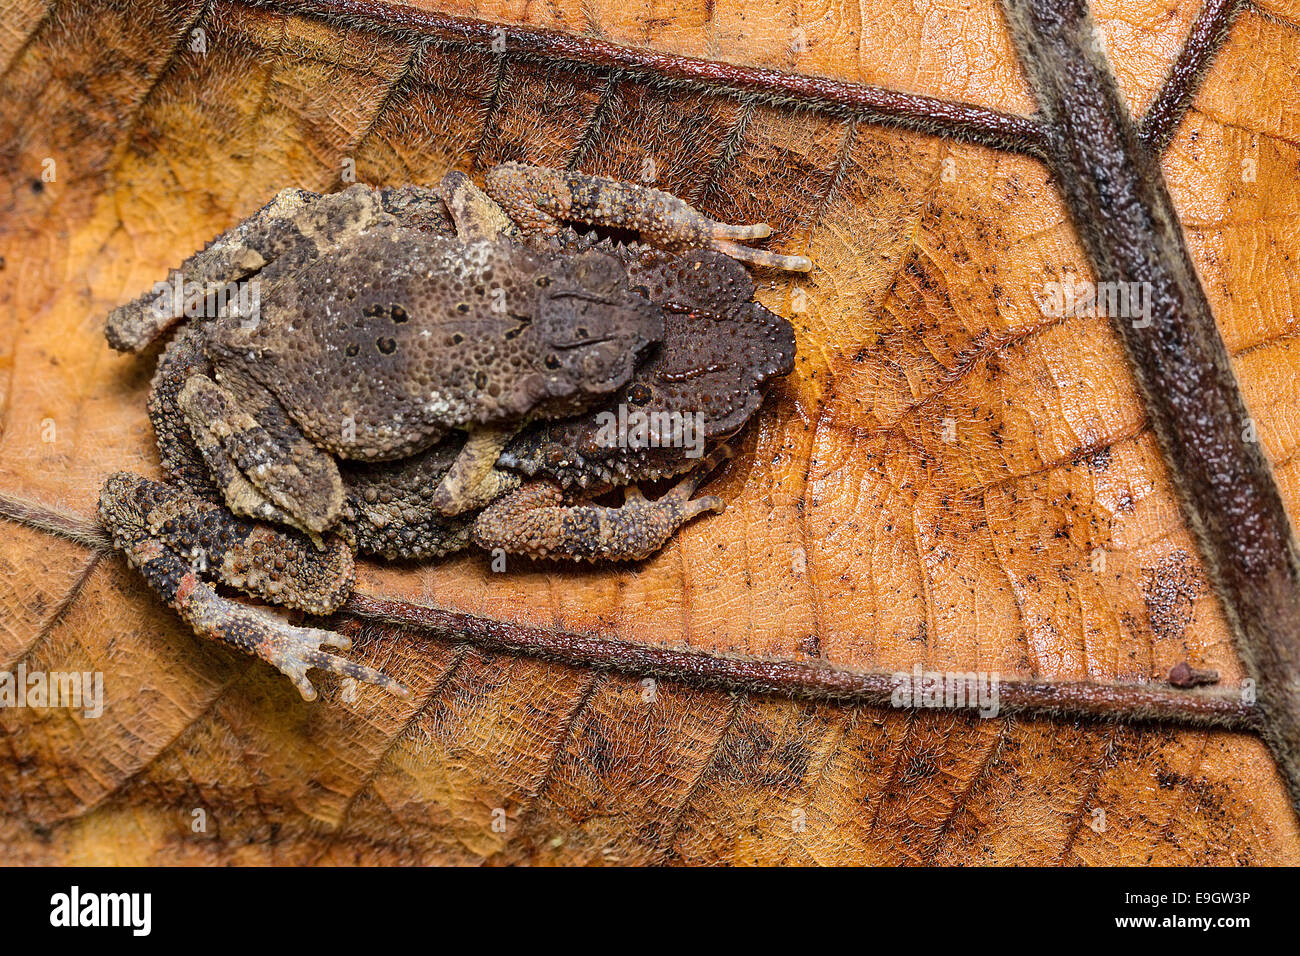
(1170, 592)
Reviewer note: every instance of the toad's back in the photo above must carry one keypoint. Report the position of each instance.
(378, 349)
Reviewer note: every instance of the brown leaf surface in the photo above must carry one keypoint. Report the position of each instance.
(855, 534)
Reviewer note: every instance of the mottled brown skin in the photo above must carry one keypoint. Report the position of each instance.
(384, 338)
(390, 510)
(719, 350)
(542, 200)
(180, 543)
(405, 337)
(541, 521)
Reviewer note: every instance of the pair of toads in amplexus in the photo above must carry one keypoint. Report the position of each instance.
(430, 368)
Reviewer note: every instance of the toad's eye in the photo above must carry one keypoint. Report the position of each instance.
(543, 281)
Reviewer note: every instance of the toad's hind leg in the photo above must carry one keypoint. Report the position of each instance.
(539, 521)
(263, 465)
(234, 255)
(539, 199)
(179, 542)
(292, 229)
(183, 358)
(473, 480)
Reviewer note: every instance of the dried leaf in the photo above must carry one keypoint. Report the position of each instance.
(950, 478)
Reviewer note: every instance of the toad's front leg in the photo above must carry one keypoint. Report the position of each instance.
(539, 521)
(539, 199)
(476, 217)
(473, 479)
(179, 542)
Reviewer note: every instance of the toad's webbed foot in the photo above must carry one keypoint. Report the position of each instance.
(539, 521)
(290, 650)
(540, 199)
(179, 542)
